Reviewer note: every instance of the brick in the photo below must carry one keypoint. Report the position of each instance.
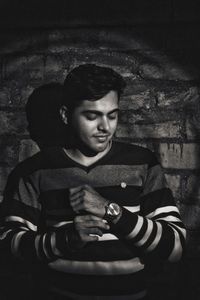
(193, 121)
(136, 85)
(166, 66)
(54, 68)
(13, 123)
(180, 156)
(60, 41)
(174, 183)
(4, 97)
(9, 152)
(27, 149)
(190, 216)
(53, 63)
(192, 128)
(24, 67)
(163, 94)
(177, 99)
(157, 131)
(191, 187)
(143, 100)
(140, 94)
(36, 75)
(130, 117)
(150, 115)
(123, 63)
(4, 172)
(14, 94)
(149, 71)
(15, 63)
(171, 88)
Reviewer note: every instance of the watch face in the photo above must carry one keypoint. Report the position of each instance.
(113, 209)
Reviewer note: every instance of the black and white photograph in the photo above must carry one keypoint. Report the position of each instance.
(99, 150)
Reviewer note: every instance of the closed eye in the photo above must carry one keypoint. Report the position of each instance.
(91, 116)
(113, 115)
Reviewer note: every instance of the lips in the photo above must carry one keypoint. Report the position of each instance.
(101, 138)
(101, 135)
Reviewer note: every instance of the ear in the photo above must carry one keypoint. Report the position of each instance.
(64, 113)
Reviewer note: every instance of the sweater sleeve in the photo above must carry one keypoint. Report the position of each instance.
(20, 233)
(157, 230)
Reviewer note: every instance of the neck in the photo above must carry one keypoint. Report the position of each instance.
(86, 158)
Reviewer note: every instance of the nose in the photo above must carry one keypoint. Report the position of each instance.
(104, 124)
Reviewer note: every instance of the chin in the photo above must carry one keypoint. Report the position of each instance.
(100, 148)
(92, 149)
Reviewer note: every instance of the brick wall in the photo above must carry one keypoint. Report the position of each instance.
(160, 108)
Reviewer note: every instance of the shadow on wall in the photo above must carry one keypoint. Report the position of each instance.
(42, 111)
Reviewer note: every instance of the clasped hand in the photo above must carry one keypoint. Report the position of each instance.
(84, 199)
(90, 209)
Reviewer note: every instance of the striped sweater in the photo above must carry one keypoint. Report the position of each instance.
(38, 219)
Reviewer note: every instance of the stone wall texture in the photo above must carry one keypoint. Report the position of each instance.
(160, 108)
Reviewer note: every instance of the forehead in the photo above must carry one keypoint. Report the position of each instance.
(105, 104)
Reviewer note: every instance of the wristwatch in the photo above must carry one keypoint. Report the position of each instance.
(113, 210)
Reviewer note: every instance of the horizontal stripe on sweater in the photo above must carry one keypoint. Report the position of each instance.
(98, 267)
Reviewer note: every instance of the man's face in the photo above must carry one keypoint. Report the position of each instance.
(95, 122)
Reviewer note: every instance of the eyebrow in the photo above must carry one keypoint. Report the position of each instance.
(92, 111)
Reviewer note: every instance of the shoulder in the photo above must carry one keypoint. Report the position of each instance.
(133, 154)
(31, 169)
(39, 161)
(29, 165)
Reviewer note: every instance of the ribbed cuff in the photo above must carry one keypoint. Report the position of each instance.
(62, 242)
(126, 223)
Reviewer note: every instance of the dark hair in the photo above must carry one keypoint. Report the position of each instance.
(90, 82)
(42, 111)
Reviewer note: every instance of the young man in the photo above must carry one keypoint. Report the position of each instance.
(91, 214)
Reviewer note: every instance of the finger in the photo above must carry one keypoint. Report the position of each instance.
(87, 218)
(78, 207)
(88, 188)
(91, 224)
(90, 238)
(98, 224)
(76, 196)
(76, 201)
(77, 204)
(93, 231)
(75, 189)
